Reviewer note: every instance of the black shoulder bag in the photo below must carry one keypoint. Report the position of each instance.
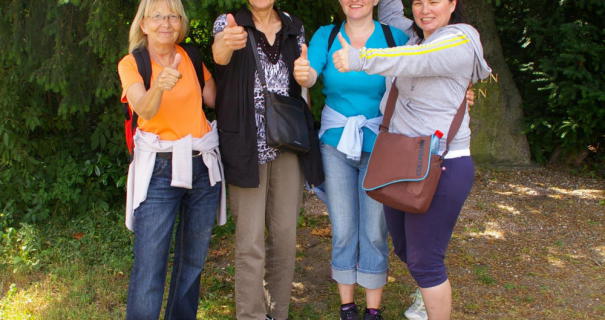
(285, 120)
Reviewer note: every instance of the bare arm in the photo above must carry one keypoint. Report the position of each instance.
(147, 102)
(209, 93)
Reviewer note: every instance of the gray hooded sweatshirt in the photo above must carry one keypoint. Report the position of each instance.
(432, 79)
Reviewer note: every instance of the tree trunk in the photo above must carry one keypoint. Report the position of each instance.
(496, 116)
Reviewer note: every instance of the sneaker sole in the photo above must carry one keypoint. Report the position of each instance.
(414, 317)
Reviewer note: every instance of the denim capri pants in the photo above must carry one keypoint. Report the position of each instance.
(359, 232)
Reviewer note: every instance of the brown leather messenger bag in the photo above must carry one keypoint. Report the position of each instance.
(402, 172)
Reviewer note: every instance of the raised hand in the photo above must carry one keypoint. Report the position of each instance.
(341, 57)
(303, 73)
(470, 96)
(234, 36)
(168, 78)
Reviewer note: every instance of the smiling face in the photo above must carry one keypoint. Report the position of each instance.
(160, 25)
(357, 9)
(431, 15)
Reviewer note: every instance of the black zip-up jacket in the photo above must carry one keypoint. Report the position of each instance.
(235, 108)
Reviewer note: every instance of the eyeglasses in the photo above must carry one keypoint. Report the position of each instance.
(172, 18)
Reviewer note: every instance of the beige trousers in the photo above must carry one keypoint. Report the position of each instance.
(264, 261)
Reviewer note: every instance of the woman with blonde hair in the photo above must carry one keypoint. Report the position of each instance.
(176, 164)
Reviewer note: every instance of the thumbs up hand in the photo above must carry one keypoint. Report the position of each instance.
(176, 61)
(234, 36)
(341, 57)
(168, 78)
(303, 73)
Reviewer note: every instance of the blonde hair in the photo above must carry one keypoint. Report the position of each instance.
(137, 38)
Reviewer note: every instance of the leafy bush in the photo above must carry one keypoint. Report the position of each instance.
(61, 149)
(556, 51)
(19, 246)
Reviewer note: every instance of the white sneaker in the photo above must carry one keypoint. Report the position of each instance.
(417, 311)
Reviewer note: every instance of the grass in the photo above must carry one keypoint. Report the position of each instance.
(501, 265)
(82, 272)
(482, 273)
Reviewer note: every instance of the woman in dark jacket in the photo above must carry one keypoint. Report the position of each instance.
(265, 183)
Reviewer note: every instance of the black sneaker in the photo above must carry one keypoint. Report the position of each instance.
(349, 312)
(372, 314)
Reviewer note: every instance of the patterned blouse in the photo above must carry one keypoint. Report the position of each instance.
(277, 77)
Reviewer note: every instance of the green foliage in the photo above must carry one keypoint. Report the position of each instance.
(62, 149)
(99, 239)
(19, 246)
(556, 51)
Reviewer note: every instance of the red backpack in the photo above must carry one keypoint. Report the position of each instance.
(141, 56)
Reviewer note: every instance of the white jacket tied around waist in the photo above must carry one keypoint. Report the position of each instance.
(141, 168)
(351, 140)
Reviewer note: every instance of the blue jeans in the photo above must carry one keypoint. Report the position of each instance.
(153, 223)
(359, 233)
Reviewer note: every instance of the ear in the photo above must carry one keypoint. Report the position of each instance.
(453, 4)
(142, 26)
(376, 2)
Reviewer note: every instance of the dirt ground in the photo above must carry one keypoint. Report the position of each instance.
(530, 244)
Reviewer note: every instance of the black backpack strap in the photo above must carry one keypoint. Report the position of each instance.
(333, 34)
(196, 58)
(141, 56)
(388, 35)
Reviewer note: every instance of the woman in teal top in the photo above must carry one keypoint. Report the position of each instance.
(349, 126)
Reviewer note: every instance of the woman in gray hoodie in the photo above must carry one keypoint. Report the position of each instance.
(432, 74)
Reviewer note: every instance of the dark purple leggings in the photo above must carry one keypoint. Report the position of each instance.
(421, 240)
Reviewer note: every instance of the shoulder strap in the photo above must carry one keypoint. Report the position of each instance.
(333, 34)
(196, 57)
(259, 66)
(141, 56)
(390, 108)
(388, 34)
(455, 125)
(259, 69)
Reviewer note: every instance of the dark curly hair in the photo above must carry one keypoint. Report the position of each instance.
(457, 17)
